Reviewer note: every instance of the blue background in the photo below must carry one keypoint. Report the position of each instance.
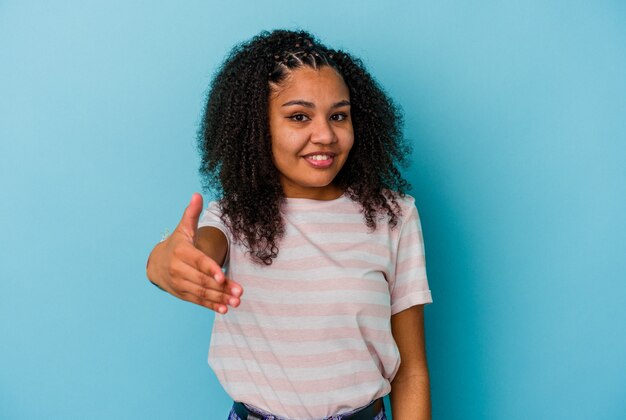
(517, 115)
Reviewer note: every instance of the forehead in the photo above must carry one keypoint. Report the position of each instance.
(314, 85)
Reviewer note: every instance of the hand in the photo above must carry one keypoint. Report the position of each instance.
(181, 269)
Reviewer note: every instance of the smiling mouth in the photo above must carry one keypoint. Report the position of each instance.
(320, 160)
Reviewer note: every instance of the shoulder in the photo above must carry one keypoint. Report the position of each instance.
(214, 206)
(404, 203)
(211, 215)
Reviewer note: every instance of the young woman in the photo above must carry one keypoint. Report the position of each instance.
(303, 148)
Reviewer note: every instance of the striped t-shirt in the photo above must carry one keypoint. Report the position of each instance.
(312, 335)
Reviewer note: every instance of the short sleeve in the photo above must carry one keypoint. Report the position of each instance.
(211, 216)
(409, 287)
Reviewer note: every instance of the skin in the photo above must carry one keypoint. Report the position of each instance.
(410, 388)
(188, 263)
(309, 115)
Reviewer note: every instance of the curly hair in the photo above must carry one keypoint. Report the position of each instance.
(235, 143)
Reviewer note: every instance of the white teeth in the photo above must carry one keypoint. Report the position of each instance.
(319, 157)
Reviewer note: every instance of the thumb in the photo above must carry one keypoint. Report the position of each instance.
(189, 222)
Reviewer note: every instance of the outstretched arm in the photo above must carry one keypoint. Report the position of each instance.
(188, 263)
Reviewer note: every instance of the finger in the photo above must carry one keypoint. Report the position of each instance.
(198, 260)
(207, 265)
(189, 222)
(228, 292)
(233, 288)
(209, 298)
(214, 271)
(182, 273)
(207, 295)
(217, 307)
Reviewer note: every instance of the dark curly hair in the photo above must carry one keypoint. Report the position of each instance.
(235, 143)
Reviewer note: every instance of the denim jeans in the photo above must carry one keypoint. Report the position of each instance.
(268, 416)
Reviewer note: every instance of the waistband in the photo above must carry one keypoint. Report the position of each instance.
(366, 413)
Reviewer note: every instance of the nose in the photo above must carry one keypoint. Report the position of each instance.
(322, 132)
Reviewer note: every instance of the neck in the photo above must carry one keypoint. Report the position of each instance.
(329, 192)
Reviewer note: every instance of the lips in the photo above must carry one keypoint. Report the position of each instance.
(320, 160)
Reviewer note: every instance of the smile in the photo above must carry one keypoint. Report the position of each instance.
(320, 160)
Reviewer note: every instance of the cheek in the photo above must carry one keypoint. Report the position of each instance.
(349, 140)
(288, 142)
(284, 148)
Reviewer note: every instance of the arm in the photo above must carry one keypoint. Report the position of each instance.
(410, 388)
(188, 263)
(213, 243)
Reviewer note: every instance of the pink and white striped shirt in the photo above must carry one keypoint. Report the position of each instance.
(312, 336)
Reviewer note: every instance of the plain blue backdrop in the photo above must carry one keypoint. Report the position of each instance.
(517, 116)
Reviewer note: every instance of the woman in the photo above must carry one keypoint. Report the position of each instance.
(303, 148)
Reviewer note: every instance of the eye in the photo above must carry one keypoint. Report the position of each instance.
(298, 118)
(339, 117)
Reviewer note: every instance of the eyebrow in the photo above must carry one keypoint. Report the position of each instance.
(311, 105)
